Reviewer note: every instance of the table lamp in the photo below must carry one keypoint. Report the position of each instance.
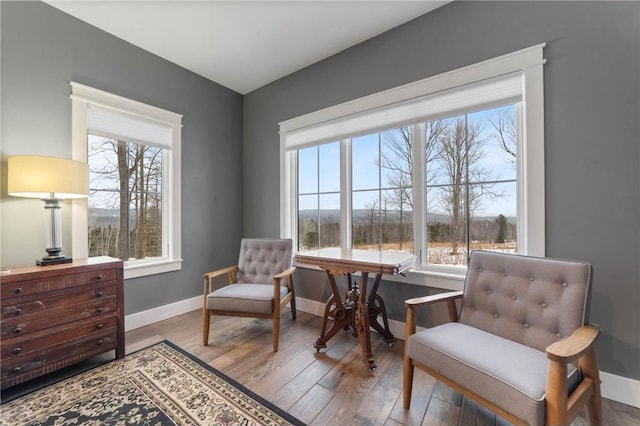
(50, 179)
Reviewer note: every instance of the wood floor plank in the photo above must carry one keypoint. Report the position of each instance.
(446, 394)
(441, 413)
(423, 385)
(312, 402)
(354, 385)
(291, 392)
(473, 414)
(377, 406)
(332, 386)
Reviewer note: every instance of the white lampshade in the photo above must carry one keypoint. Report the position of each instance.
(37, 176)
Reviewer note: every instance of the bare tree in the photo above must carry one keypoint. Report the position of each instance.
(503, 122)
(135, 171)
(460, 151)
(397, 158)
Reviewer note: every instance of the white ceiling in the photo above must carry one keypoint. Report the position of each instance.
(243, 44)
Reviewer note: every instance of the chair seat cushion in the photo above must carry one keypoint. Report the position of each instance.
(244, 298)
(504, 372)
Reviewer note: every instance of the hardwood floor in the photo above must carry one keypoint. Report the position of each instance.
(330, 387)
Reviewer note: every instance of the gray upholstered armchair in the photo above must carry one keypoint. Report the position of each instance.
(260, 286)
(521, 345)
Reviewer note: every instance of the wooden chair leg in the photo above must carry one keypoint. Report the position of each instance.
(205, 327)
(292, 302)
(589, 367)
(293, 307)
(407, 382)
(407, 385)
(556, 395)
(276, 330)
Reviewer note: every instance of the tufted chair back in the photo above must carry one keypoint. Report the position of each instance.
(261, 259)
(530, 300)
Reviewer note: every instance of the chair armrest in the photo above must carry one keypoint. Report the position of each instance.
(429, 300)
(412, 304)
(561, 406)
(219, 272)
(574, 346)
(284, 273)
(209, 276)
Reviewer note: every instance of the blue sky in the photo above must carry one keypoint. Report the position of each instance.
(319, 172)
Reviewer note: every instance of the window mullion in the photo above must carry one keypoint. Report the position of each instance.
(419, 189)
(467, 188)
(345, 194)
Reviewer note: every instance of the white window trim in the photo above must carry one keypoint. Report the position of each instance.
(526, 62)
(81, 97)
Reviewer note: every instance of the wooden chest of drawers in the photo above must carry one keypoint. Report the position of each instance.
(54, 316)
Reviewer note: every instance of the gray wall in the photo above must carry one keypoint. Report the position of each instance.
(592, 134)
(44, 49)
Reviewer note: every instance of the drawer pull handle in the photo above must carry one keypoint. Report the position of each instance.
(16, 370)
(100, 342)
(17, 290)
(99, 326)
(17, 310)
(16, 350)
(17, 330)
(99, 277)
(100, 310)
(99, 294)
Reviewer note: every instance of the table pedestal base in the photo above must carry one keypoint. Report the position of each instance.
(356, 312)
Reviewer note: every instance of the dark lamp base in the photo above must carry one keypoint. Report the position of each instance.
(57, 261)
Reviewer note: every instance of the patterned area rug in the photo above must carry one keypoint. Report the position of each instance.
(159, 385)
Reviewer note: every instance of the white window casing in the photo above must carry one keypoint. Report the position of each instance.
(106, 114)
(516, 77)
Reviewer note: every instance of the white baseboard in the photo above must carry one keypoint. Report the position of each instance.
(620, 389)
(150, 316)
(616, 388)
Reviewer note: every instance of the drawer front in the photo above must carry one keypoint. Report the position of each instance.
(24, 288)
(19, 365)
(42, 340)
(40, 305)
(16, 327)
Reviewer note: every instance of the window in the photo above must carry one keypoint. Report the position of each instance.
(319, 196)
(382, 213)
(125, 200)
(471, 185)
(438, 167)
(133, 210)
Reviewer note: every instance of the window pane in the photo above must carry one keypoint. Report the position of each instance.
(447, 227)
(495, 151)
(329, 155)
(471, 185)
(308, 222)
(104, 199)
(308, 170)
(329, 219)
(319, 196)
(396, 221)
(365, 158)
(494, 221)
(125, 201)
(366, 220)
(395, 162)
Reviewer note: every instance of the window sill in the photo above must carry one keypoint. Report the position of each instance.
(428, 278)
(159, 266)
